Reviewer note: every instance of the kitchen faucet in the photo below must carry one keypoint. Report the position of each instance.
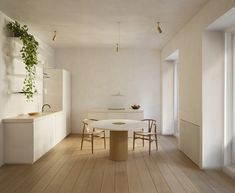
(45, 106)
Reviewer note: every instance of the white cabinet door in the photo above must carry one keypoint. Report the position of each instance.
(60, 126)
(18, 143)
(43, 136)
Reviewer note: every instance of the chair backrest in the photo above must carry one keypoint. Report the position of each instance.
(86, 125)
(152, 125)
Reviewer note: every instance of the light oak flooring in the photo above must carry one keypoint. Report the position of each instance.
(66, 169)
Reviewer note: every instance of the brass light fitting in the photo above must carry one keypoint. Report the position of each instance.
(54, 36)
(159, 29)
(117, 47)
(118, 41)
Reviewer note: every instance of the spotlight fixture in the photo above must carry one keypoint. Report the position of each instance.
(118, 39)
(159, 29)
(117, 47)
(54, 36)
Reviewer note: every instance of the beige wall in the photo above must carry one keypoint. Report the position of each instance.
(12, 104)
(100, 72)
(189, 42)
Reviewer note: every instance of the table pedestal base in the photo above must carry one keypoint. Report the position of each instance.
(118, 145)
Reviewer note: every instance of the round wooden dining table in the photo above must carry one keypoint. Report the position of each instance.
(118, 135)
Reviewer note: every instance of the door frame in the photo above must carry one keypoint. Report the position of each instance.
(233, 98)
(229, 97)
(176, 98)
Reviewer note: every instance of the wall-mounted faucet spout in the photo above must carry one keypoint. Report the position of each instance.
(45, 106)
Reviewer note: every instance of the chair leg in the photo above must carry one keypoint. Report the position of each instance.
(149, 144)
(92, 143)
(143, 139)
(83, 131)
(104, 141)
(133, 141)
(156, 141)
(82, 140)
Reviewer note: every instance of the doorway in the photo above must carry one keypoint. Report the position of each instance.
(176, 100)
(170, 95)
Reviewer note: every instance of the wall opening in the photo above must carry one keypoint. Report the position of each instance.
(176, 99)
(170, 98)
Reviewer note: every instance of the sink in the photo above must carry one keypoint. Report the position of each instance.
(47, 112)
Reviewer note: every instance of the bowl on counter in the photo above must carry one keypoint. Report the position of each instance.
(135, 107)
(33, 113)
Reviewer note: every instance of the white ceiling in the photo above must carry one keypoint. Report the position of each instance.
(93, 23)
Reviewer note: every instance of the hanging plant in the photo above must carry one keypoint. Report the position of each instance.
(29, 55)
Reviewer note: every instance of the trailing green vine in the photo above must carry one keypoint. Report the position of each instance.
(29, 55)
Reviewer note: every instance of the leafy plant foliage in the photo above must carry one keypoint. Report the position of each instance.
(29, 55)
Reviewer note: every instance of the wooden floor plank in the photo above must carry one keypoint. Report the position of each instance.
(171, 179)
(179, 174)
(108, 183)
(121, 179)
(95, 181)
(187, 166)
(199, 176)
(48, 177)
(147, 182)
(158, 179)
(24, 182)
(133, 176)
(67, 169)
(82, 182)
(221, 182)
(71, 179)
(9, 178)
(58, 180)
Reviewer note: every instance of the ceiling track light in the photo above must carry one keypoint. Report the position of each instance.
(159, 29)
(54, 36)
(117, 47)
(118, 41)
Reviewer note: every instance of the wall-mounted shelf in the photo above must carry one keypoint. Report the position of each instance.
(15, 69)
(19, 59)
(16, 40)
(14, 57)
(21, 92)
(15, 47)
(37, 78)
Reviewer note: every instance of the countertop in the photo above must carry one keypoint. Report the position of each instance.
(25, 118)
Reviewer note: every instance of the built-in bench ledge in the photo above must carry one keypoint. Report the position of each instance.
(230, 170)
(115, 110)
(104, 113)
